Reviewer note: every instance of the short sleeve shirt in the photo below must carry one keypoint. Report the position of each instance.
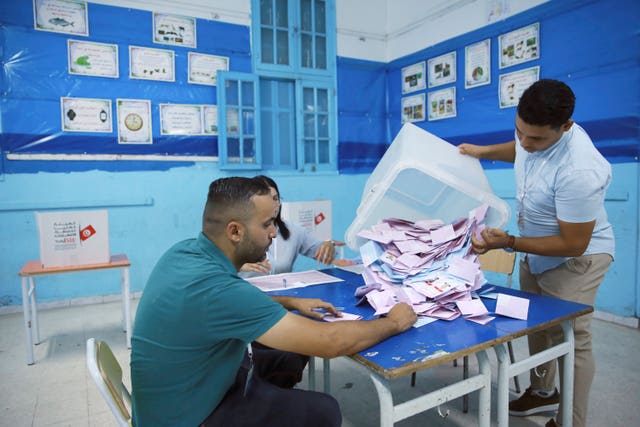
(192, 326)
(567, 182)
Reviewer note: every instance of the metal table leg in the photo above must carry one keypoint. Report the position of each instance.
(26, 312)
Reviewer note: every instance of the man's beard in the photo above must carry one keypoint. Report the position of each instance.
(252, 253)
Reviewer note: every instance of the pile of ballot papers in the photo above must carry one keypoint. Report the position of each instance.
(428, 264)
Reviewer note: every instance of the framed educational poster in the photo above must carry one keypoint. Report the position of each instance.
(134, 121)
(477, 64)
(180, 119)
(61, 16)
(442, 69)
(413, 108)
(86, 115)
(513, 84)
(442, 103)
(519, 46)
(174, 29)
(92, 59)
(210, 119)
(202, 68)
(414, 77)
(151, 64)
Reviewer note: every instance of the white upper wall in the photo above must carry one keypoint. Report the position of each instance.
(374, 30)
(233, 11)
(407, 26)
(362, 29)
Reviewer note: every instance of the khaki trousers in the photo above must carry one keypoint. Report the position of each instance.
(575, 280)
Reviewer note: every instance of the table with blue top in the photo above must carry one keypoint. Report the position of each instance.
(443, 341)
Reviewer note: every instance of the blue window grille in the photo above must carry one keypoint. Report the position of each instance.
(294, 60)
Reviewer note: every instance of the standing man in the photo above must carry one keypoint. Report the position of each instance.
(565, 237)
(192, 363)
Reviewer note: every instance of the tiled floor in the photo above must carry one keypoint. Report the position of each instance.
(57, 391)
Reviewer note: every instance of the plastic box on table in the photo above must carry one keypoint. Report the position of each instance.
(422, 176)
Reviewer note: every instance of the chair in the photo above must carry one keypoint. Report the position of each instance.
(107, 374)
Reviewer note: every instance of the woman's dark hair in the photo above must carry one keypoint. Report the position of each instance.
(547, 102)
(284, 231)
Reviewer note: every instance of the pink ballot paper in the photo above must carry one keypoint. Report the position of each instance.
(510, 306)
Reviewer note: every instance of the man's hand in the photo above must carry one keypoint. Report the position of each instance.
(492, 238)
(262, 267)
(403, 316)
(471, 150)
(327, 251)
(314, 307)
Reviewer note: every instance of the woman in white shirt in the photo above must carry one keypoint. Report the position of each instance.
(291, 241)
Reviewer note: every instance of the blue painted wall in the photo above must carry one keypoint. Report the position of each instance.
(154, 204)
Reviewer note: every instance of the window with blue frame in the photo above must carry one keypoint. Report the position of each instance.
(238, 121)
(294, 61)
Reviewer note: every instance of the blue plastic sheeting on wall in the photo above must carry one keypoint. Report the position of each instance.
(591, 45)
(362, 114)
(35, 76)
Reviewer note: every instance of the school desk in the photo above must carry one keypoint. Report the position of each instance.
(33, 269)
(441, 342)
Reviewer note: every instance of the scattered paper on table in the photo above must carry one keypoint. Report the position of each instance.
(354, 268)
(482, 319)
(299, 279)
(473, 307)
(489, 295)
(345, 316)
(424, 320)
(510, 306)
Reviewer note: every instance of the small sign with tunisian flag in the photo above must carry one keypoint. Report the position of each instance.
(73, 238)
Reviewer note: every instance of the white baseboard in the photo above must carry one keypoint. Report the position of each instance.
(632, 322)
(48, 305)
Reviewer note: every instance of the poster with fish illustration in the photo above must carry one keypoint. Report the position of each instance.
(61, 16)
(92, 59)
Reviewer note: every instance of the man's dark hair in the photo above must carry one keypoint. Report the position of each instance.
(547, 102)
(229, 199)
(284, 230)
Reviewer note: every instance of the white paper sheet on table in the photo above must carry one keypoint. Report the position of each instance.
(510, 306)
(424, 320)
(298, 279)
(472, 307)
(345, 316)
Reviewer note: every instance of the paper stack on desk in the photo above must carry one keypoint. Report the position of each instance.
(427, 264)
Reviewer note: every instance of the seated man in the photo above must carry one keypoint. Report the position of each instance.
(196, 319)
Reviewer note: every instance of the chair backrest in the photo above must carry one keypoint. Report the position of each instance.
(498, 261)
(107, 374)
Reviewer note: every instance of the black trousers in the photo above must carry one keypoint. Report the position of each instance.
(268, 399)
